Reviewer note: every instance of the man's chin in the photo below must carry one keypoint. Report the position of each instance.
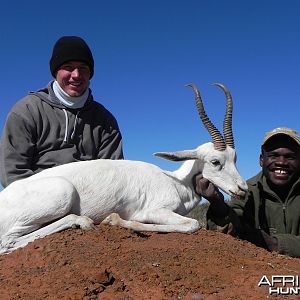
(74, 93)
(281, 182)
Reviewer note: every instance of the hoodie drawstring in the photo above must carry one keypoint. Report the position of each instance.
(67, 125)
(74, 127)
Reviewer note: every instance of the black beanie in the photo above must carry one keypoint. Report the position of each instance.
(71, 48)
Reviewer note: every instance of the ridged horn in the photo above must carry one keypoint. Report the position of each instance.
(218, 140)
(227, 125)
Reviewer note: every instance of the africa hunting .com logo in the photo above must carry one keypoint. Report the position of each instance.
(281, 284)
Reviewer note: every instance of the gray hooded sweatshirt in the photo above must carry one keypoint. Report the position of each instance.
(41, 133)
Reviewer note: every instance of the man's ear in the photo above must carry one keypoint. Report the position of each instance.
(261, 159)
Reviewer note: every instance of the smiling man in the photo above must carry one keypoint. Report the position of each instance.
(270, 215)
(60, 123)
(279, 160)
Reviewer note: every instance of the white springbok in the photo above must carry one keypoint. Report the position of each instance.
(131, 194)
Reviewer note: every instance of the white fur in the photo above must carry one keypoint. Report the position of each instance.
(131, 194)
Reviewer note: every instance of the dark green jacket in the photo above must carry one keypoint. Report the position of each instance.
(41, 133)
(263, 210)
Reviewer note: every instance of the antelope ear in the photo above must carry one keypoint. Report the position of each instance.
(178, 155)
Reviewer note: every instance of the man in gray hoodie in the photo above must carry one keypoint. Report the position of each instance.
(60, 123)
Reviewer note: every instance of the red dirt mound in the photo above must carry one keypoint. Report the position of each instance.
(116, 263)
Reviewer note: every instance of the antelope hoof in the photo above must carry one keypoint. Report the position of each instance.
(85, 223)
(112, 219)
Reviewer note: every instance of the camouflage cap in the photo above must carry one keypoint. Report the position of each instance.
(282, 130)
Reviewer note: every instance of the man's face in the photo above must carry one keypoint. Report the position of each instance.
(73, 77)
(280, 161)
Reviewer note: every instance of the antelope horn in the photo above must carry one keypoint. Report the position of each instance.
(227, 125)
(218, 141)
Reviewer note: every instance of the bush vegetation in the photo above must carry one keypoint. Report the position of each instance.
(199, 213)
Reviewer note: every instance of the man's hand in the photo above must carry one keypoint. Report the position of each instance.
(207, 189)
(212, 194)
(271, 242)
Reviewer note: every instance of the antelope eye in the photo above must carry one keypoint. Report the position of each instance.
(216, 163)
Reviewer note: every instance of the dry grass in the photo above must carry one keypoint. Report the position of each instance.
(199, 213)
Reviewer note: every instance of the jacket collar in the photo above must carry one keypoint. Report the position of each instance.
(260, 181)
(47, 94)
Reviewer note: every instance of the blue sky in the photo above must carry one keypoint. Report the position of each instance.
(145, 52)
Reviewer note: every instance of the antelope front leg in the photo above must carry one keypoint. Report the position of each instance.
(159, 220)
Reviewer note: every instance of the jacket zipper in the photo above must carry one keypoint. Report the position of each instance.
(284, 216)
